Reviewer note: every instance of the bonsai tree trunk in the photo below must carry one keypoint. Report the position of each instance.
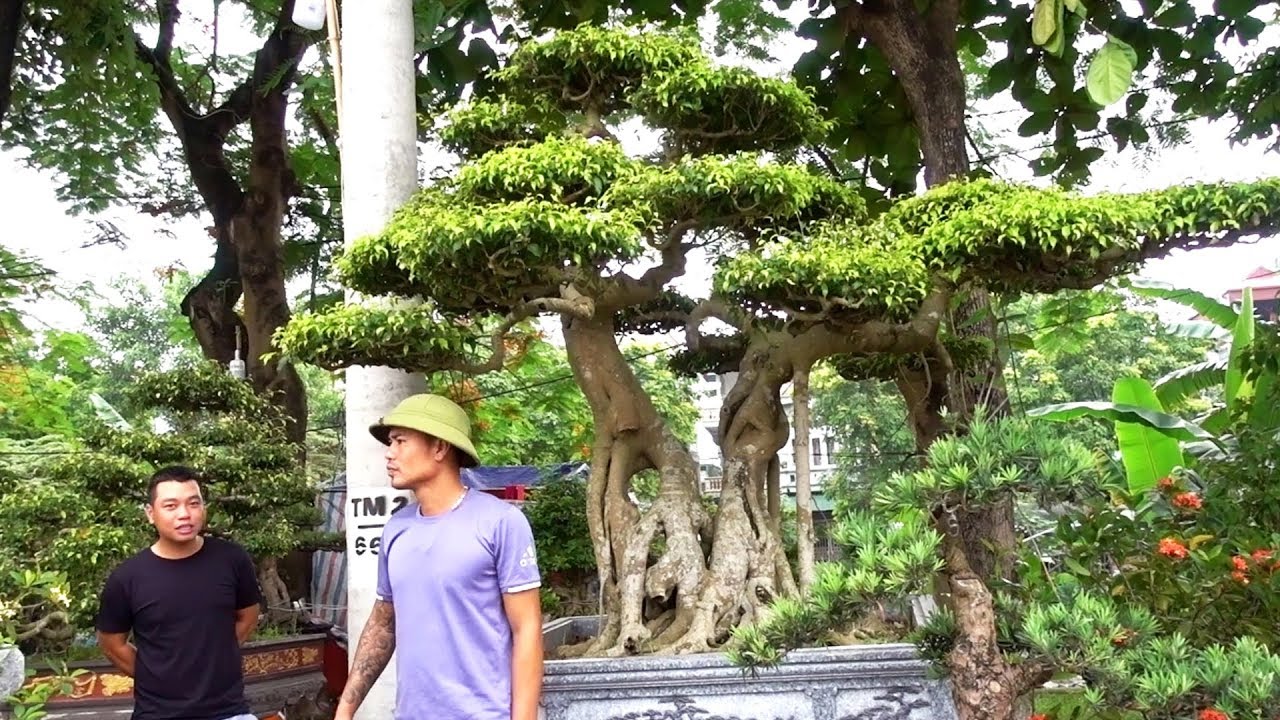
(748, 564)
(630, 436)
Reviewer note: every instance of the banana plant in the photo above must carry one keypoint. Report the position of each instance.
(1152, 441)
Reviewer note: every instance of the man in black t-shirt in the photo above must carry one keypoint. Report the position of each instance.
(190, 602)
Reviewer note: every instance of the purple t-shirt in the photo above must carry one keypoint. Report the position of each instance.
(446, 575)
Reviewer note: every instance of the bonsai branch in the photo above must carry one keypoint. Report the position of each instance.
(573, 304)
(629, 291)
(706, 310)
(41, 627)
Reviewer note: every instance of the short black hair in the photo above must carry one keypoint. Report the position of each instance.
(173, 473)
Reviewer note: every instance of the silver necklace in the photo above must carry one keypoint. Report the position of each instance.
(461, 497)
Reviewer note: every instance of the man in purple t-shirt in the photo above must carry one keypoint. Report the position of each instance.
(457, 583)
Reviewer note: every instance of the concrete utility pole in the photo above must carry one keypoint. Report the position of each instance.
(379, 172)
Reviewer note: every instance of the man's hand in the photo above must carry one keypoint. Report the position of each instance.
(118, 650)
(377, 643)
(246, 623)
(524, 613)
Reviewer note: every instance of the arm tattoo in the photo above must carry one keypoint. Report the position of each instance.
(377, 643)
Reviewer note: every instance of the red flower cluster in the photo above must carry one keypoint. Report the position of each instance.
(1258, 559)
(1213, 714)
(1167, 484)
(1240, 573)
(1172, 548)
(1187, 501)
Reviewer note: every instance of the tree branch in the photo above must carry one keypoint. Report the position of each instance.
(322, 127)
(202, 151)
(630, 291)
(11, 16)
(572, 303)
(38, 627)
(828, 162)
(705, 310)
(169, 15)
(277, 59)
(172, 99)
(918, 334)
(1114, 260)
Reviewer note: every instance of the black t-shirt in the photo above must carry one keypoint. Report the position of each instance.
(183, 617)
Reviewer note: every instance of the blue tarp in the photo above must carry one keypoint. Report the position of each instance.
(496, 478)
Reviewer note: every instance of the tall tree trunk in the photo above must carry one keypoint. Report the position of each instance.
(210, 306)
(248, 261)
(630, 436)
(10, 35)
(920, 46)
(804, 504)
(255, 233)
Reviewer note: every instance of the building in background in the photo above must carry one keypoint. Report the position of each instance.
(1266, 293)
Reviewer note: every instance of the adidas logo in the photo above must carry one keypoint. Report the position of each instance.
(529, 557)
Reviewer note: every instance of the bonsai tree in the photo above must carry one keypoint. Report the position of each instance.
(1009, 239)
(550, 215)
(257, 494)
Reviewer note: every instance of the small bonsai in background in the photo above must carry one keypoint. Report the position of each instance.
(80, 513)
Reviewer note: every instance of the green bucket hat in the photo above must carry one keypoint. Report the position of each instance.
(434, 415)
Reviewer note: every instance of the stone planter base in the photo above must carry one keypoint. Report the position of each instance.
(276, 673)
(856, 682)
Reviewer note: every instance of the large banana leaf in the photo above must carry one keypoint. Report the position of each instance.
(1265, 412)
(1190, 380)
(1174, 427)
(1148, 437)
(1198, 330)
(107, 413)
(1148, 454)
(1216, 421)
(1237, 388)
(1216, 311)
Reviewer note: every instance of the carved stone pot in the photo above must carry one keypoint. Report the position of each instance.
(277, 673)
(852, 682)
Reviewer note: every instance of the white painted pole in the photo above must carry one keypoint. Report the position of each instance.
(379, 172)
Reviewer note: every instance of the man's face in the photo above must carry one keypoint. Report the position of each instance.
(413, 457)
(177, 510)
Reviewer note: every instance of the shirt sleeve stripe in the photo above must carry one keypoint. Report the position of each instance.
(522, 588)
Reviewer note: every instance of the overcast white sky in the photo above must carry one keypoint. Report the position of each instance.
(35, 222)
